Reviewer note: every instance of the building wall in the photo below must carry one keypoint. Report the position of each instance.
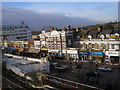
(54, 41)
(99, 44)
(21, 32)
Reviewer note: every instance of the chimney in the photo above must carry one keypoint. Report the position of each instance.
(68, 27)
(55, 28)
(100, 28)
(76, 28)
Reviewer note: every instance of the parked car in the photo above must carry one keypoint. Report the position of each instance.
(93, 74)
(104, 68)
(59, 66)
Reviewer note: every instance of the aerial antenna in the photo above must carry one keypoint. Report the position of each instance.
(22, 22)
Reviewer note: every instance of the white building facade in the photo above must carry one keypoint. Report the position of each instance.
(105, 50)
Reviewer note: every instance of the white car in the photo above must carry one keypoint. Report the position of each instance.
(60, 67)
(104, 68)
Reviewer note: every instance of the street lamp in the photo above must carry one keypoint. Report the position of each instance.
(60, 42)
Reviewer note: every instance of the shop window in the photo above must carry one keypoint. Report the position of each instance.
(114, 59)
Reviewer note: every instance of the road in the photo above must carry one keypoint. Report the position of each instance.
(107, 78)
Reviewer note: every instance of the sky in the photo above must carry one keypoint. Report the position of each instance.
(37, 15)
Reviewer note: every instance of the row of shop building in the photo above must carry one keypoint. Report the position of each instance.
(107, 57)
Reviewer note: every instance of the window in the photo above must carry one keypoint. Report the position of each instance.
(113, 46)
(86, 46)
(98, 46)
(105, 46)
(92, 45)
(102, 45)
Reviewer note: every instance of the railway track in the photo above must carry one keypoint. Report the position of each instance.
(12, 84)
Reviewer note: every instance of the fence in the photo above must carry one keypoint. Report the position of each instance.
(67, 84)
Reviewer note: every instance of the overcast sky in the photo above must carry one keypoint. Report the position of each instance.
(58, 14)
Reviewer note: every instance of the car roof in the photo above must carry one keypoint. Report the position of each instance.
(103, 66)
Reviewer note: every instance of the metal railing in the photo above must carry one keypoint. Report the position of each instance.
(72, 84)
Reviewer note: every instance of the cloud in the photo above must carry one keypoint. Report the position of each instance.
(13, 16)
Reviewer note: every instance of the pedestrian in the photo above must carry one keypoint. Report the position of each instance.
(71, 64)
(96, 63)
(76, 62)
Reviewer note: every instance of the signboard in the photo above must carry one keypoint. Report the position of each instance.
(112, 53)
(72, 51)
(99, 53)
(83, 53)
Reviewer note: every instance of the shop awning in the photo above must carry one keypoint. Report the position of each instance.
(96, 54)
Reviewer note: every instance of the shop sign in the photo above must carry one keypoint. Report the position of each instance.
(96, 53)
(83, 53)
(72, 51)
(112, 36)
(113, 53)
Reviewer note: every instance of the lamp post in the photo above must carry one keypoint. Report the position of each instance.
(60, 43)
(60, 36)
(79, 63)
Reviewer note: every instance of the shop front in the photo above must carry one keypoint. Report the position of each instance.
(53, 53)
(97, 56)
(112, 57)
(83, 55)
(72, 54)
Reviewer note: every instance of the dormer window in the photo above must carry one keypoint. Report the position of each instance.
(102, 37)
(89, 36)
(116, 34)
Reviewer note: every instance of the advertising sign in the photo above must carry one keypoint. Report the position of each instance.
(83, 53)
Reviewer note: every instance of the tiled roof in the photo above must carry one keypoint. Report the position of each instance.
(104, 32)
(93, 33)
(116, 31)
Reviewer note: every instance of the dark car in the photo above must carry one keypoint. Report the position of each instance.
(59, 66)
(93, 74)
